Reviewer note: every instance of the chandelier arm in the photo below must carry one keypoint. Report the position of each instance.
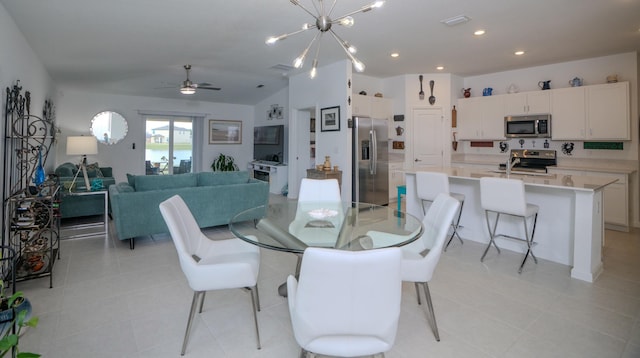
(365, 8)
(357, 63)
(297, 63)
(296, 2)
(332, 7)
(274, 39)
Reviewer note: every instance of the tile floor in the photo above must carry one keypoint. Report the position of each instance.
(109, 301)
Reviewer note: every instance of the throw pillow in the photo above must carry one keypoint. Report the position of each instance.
(131, 179)
(93, 171)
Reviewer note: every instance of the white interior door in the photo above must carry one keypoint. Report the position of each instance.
(299, 161)
(428, 137)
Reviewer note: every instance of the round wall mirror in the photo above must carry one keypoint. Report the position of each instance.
(109, 127)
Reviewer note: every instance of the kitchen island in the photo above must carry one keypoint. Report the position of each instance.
(570, 228)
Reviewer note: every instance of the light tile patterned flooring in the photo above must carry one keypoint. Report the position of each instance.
(109, 301)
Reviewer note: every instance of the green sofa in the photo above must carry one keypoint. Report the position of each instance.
(213, 198)
(76, 206)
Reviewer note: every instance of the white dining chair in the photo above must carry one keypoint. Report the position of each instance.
(210, 264)
(346, 303)
(507, 196)
(420, 258)
(428, 186)
(319, 190)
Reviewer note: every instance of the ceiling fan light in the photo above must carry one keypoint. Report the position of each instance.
(187, 90)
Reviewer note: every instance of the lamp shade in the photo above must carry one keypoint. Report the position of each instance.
(82, 145)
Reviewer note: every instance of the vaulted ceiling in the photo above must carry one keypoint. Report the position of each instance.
(139, 47)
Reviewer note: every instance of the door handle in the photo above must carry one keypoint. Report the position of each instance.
(417, 160)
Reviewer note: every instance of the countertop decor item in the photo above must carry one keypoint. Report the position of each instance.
(575, 82)
(512, 88)
(454, 117)
(487, 91)
(466, 92)
(545, 85)
(322, 22)
(421, 93)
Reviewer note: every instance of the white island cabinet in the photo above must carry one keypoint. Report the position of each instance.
(570, 228)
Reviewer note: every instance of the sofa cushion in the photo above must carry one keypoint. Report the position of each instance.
(160, 182)
(107, 172)
(125, 188)
(66, 170)
(222, 178)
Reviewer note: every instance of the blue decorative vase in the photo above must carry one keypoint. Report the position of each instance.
(39, 176)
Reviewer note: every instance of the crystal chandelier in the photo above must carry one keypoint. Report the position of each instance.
(323, 23)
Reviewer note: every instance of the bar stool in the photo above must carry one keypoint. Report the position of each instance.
(506, 196)
(428, 186)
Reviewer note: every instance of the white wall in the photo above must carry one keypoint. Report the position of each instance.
(19, 62)
(328, 89)
(77, 108)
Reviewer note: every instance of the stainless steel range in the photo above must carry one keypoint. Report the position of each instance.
(531, 160)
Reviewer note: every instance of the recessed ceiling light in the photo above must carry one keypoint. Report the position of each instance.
(519, 53)
(440, 68)
(479, 33)
(395, 54)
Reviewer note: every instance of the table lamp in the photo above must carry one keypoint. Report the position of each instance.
(82, 145)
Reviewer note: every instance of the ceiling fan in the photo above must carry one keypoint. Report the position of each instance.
(189, 87)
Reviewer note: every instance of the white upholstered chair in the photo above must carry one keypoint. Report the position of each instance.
(428, 186)
(210, 264)
(319, 190)
(419, 258)
(507, 196)
(346, 303)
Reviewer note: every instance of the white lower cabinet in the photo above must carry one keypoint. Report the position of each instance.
(616, 197)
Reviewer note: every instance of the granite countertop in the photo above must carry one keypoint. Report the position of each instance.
(559, 181)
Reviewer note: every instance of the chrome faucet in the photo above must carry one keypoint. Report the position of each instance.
(511, 163)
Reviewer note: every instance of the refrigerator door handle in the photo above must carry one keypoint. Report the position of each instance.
(374, 148)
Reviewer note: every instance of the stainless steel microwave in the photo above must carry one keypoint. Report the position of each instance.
(529, 126)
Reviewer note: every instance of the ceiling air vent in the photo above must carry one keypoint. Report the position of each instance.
(282, 67)
(452, 21)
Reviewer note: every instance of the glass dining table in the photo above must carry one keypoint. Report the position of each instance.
(292, 227)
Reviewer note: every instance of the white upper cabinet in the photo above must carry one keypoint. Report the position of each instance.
(527, 103)
(481, 118)
(598, 112)
(568, 113)
(371, 106)
(608, 111)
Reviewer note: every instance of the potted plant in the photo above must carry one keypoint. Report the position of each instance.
(224, 163)
(15, 311)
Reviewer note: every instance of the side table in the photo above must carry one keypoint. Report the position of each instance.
(325, 174)
(104, 223)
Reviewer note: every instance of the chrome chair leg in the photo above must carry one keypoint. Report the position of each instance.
(194, 304)
(454, 226)
(492, 234)
(255, 314)
(432, 315)
(529, 242)
(202, 301)
(417, 292)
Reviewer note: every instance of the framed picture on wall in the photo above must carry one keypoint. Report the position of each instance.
(225, 132)
(330, 119)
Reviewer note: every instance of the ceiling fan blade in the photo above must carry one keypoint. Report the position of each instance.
(210, 88)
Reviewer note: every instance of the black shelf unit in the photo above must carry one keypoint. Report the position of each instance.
(31, 220)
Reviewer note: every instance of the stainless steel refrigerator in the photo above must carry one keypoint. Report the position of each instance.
(370, 162)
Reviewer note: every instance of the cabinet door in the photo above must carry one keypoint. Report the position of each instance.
(616, 204)
(568, 113)
(469, 118)
(608, 111)
(515, 104)
(493, 117)
(380, 108)
(360, 105)
(538, 102)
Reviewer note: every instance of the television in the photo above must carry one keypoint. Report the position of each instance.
(268, 143)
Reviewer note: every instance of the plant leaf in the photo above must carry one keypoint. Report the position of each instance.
(27, 355)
